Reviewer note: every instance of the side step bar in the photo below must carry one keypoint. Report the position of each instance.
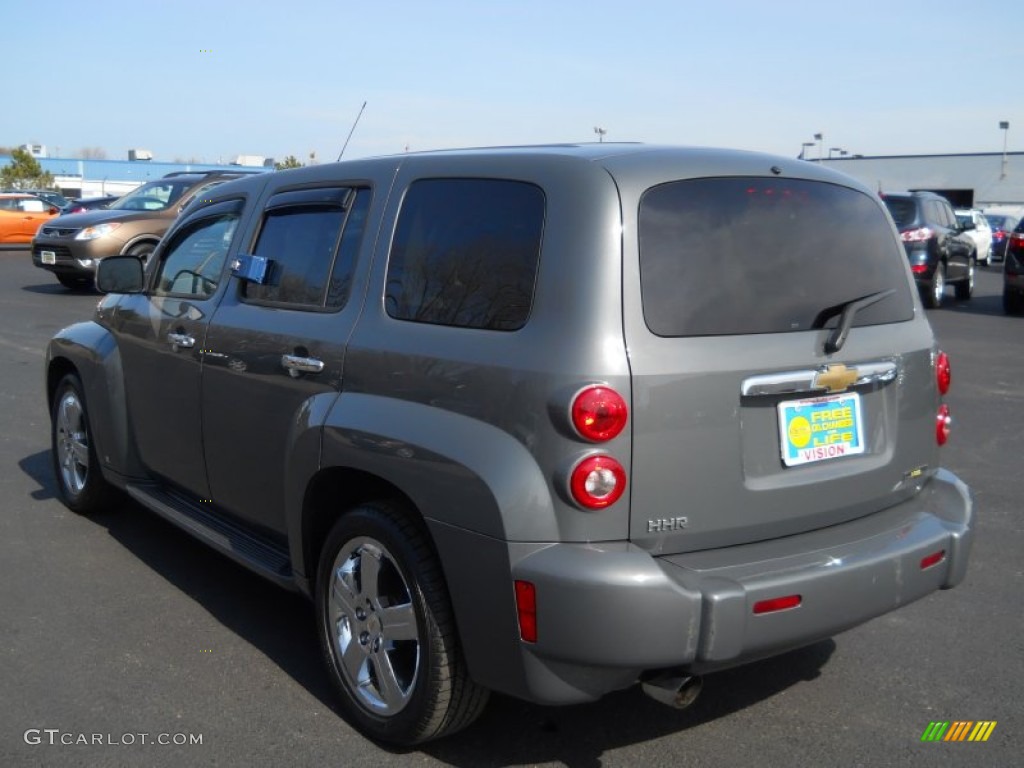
(267, 558)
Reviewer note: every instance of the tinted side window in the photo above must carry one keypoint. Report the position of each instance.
(465, 253)
(300, 241)
(752, 255)
(903, 211)
(191, 264)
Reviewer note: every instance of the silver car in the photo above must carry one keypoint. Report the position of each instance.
(548, 421)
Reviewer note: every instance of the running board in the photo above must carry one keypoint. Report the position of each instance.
(267, 558)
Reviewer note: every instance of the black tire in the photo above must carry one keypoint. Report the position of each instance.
(1013, 302)
(80, 482)
(141, 251)
(933, 292)
(965, 288)
(391, 647)
(73, 282)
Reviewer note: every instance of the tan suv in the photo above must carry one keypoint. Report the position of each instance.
(71, 246)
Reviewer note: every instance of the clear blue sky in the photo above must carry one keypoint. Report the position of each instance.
(209, 80)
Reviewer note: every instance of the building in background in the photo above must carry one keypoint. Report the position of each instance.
(991, 181)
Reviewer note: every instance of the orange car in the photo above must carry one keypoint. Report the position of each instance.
(21, 215)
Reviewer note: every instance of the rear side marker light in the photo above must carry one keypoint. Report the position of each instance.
(597, 482)
(598, 413)
(933, 559)
(777, 604)
(943, 423)
(943, 372)
(526, 609)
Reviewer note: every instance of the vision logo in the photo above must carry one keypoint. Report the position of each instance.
(959, 730)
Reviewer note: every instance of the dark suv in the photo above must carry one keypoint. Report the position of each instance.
(939, 251)
(548, 421)
(1013, 272)
(70, 246)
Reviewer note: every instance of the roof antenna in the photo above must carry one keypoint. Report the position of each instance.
(352, 130)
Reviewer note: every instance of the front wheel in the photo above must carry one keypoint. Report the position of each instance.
(141, 251)
(387, 630)
(80, 482)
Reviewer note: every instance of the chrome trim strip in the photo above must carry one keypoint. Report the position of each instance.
(793, 382)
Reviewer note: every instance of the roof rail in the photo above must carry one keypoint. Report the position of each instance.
(232, 172)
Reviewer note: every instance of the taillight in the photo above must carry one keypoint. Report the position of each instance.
(598, 413)
(917, 235)
(943, 373)
(526, 609)
(933, 559)
(918, 269)
(943, 422)
(597, 482)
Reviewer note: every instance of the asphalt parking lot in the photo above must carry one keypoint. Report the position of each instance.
(123, 628)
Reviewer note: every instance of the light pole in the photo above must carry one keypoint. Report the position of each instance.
(803, 148)
(600, 134)
(820, 138)
(1004, 126)
(834, 149)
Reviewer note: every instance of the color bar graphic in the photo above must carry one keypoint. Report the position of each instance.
(959, 730)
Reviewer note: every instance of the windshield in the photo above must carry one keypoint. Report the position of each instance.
(902, 209)
(153, 196)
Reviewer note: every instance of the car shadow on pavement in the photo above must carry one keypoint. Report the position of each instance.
(56, 288)
(978, 305)
(38, 467)
(280, 625)
(513, 732)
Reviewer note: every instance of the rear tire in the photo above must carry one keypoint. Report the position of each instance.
(1013, 302)
(80, 482)
(965, 288)
(387, 630)
(935, 289)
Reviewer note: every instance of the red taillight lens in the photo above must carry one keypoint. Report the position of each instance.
(598, 413)
(943, 373)
(777, 604)
(919, 269)
(933, 559)
(943, 422)
(917, 235)
(597, 482)
(526, 609)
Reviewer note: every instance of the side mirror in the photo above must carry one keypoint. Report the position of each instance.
(119, 274)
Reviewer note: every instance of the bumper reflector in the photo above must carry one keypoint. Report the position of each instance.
(526, 608)
(777, 604)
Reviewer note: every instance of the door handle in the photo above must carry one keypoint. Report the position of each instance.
(181, 340)
(296, 365)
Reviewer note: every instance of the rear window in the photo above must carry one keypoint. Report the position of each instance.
(753, 255)
(902, 210)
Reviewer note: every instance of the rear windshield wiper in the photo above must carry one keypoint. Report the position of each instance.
(846, 312)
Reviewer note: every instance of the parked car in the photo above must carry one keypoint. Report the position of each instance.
(939, 251)
(53, 198)
(72, 246)
(1013, 272)
(82, 204)
(530, 420)
(1002, 226)
(974, 224)
(21, 215)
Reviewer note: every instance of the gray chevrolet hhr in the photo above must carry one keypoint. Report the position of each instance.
(549, 421)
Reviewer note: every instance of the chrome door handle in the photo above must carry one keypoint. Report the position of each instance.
(295, 364)
(181, 340)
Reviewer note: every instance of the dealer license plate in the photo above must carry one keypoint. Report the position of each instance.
(48, 257)
(820, 428)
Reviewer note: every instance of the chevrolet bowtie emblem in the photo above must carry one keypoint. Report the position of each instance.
(835, 378)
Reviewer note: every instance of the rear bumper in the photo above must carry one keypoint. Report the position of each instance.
(607, 613)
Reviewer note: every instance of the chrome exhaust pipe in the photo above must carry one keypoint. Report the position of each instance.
(676, 690)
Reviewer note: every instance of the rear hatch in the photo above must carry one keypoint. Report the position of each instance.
(782, 381)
